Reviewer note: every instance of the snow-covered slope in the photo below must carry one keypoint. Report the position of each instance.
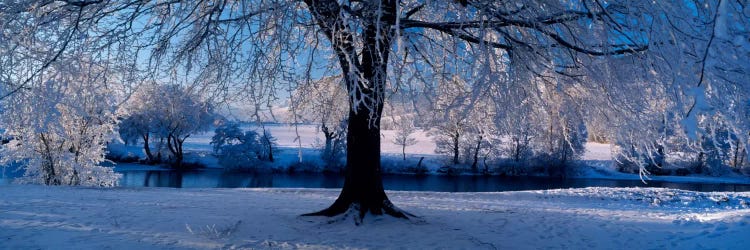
(39, 217)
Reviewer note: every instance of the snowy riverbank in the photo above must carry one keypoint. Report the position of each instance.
(43, 217)
(595, 163)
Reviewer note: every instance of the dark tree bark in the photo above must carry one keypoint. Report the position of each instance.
(455, 137)
(270, 147)
(48, 168)
(329, 140)
(403, 151)
(147, 149)
(363, 187)
(174, 143)
(474, 166)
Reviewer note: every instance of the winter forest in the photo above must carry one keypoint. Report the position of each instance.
(95, 92)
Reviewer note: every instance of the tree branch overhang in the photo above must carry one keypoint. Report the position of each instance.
(539, 25)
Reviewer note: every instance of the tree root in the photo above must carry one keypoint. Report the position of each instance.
(352, 208)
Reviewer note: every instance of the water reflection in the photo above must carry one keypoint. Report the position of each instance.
(222, 179)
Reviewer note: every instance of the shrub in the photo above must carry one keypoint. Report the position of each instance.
(237, 149)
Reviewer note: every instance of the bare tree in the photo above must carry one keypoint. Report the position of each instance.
(404, 130)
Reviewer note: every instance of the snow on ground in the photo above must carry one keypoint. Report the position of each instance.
(597, 152)
(40, 217)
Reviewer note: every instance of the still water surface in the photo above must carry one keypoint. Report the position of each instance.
(222, 179)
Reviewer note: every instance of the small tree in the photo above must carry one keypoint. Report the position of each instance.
(450, 117)
(267, 146)
(403, 135)
(141, 122)
(236, 149)
(325, 102)
(168, 113)
(476, 145)
(228, 133)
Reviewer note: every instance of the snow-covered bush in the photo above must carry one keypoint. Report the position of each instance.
(718, 147)
(237, 149)
(234, 148)
(228, 133)
(305, 167)
(267, 145)
(60, 127)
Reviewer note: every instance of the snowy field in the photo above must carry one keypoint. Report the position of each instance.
(39, 217)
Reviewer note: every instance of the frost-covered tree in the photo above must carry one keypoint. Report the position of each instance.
(228, 133)
(565, 134)
(182, 114)
(404, 130)
(168, 113)
(238, 149)
(450, 117)
(141, 121)
(694, 72)
(268, 145)
(334, 147)
(463, 123)
(60, 126)
(325, 102)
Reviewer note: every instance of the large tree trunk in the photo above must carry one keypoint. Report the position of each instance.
(363, 186)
